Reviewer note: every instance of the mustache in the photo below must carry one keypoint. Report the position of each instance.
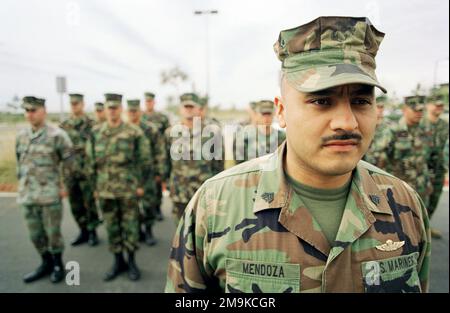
(342, 136)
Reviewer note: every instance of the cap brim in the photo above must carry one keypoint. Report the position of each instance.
(320, 78)
(190, 103)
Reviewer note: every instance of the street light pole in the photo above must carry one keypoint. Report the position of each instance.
(207, 61)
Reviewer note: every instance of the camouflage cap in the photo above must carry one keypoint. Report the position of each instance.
(381, 100)
(134, 104)
(417, 103)
(76, 97)
(113, 100)
(329, 51)
(190, 99)
(30, 102)
(149, 96)
(99, 106)
(436, 99)
(264, 106)
(203, 101)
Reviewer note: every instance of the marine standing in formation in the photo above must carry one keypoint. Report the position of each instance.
(157, 154)
(260, 137)
(189, 170)
(81, 193)
(119, 163)
(100, 116)
(406, 148)
(435, 126)
(310, 217)
(41, 151)
(161, 122)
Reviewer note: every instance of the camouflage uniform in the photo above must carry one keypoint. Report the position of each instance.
(81, 193)
(119, 163)
(376, 153)
(186, 176)
(250, 142)
(39, 157)
(99, 106)
(157, 155)
(407, 153)
(436, 163)
(245, 230)
(161, 122)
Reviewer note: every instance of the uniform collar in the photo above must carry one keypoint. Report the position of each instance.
(38, 133)
(365, 198)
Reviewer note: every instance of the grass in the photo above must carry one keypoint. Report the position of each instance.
(8, 179)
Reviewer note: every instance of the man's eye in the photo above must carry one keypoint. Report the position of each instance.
(321, 102)
(361, 102)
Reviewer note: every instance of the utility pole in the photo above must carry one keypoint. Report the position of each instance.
(206, 13)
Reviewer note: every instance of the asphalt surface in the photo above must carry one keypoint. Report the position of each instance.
(18, 256)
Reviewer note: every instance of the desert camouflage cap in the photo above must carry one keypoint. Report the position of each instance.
(190, 99)
(113, 100)
(133, 104)
(416, 103)
(149, 96)
(99, 106)
(30, 102)
(329, 51)
(264, 106)
(76, 97)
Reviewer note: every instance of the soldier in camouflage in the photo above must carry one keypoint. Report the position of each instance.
(258, 139)
(81, 194)
(375, 155)
(100, 116)
(119, 164)
(310, 217)
(185, 169)
(41, 151)
(438, 129)
(157, 155)
(161, 121)
(406, 148)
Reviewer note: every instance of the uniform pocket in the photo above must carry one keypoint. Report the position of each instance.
(392, 275)
(247, 276)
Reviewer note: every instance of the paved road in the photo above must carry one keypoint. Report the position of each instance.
(18, 255)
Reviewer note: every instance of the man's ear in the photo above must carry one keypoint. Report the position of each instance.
(280, 111)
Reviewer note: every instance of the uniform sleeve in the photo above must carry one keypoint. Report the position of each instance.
(67, 158)
(383, 149)
(218, 162)
(160, 154)
(167, 165)
(89, 164)
(188, 267)
(423, 264)
(17, 158)
(143, 159)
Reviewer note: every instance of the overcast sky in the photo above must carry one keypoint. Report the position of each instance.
(122, 46)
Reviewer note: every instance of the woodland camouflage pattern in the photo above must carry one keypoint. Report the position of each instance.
(119, 163)
(376, 153)
(118, 160)
(329, 51)
(437, 165)
(186, 176)
(245, 230)
(406, 156)
(81, 193)
(251, 143)
(39, 157)
(151, 199)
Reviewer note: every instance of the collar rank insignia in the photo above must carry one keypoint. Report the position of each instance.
(390, 245)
